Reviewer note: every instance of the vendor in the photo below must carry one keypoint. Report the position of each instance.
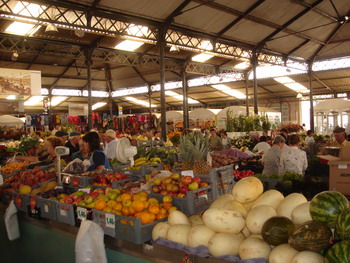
(225, 141)
(340, 137)
(293, 159)
(111, 144)
(83, 153)
(215, 141)
(63, 135)
(98, 158)
(50, 144)
(73, 143)
(271, 159)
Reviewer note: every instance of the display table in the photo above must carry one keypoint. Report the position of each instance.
(45, 241)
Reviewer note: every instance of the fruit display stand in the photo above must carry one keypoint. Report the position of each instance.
(106, 220)
(47, 208)
(194, 201)
(65, 213)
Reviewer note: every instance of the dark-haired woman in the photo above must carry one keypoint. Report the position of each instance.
(98, 158)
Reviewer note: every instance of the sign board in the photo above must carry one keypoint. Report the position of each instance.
(20, 82)
(120, 110)
(77, 109)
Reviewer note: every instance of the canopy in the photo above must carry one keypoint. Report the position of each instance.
(174, 115)
(204, 114)
(332, 105)
(8, 120)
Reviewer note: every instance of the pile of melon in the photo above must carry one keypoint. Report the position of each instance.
(250, 223)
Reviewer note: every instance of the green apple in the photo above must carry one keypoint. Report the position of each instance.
(112, 195)
(103, 197)
(82, 204)
(79, 193)
(193, 186)
(88, 199)
(91, 205)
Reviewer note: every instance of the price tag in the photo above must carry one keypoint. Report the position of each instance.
(110, 220)
(63, 212)
(82, 213)
(203, 197)
(187, 173)
(85, 190)
(58, 187)
(46, 208)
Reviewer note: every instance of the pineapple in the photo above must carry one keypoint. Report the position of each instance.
(184, 152)
(201, 147)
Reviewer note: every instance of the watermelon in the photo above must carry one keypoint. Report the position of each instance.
(342, 226)
(312, 236)
(326, 207)
(339, 253)
(276, 230)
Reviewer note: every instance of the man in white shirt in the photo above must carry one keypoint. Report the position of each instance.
(262, 146)
(293, 159)
(310, 137)
(111, 144)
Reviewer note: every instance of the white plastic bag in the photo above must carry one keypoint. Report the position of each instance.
(77, 166)
(89, 245)
(11, 222)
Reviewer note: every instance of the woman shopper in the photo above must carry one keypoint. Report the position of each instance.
(293, 159)
(271, 160)
(98, 158)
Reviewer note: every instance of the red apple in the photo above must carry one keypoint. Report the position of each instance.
(186, 180)
(197, 179)
(164, 192)
(183, 190)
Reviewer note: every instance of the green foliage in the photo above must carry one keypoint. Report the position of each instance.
(243, 123)
(167, 154)
(287, 176)
(27, 142)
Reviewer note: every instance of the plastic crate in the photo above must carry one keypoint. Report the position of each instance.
(214, 179)
(119, 168)
(47, 208)
(145, 169)
(81, 181)
(194, 202)
(117, 184)
(22, 202)
(106, 220)
(131, 229)
(65, 213)
(81, 213)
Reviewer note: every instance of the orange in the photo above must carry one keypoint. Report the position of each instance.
(107, 209)
(143, 193)
(135, 197)
(167, 205)
(152, 217)
(125, 196)
(125, 211)
(153, 201)
(142, 198)
(138, 205)
(145, 217)
(124, 221)
(163, 211)
(100, 204)
(118, 213)
(160, 216)
(146, 204)
(132, 211)
(154, 209)
(118, 206)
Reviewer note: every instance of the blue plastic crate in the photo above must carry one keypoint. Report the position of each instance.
(65, 213)
(47, 208)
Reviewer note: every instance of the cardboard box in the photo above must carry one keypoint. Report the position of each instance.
(339, 172)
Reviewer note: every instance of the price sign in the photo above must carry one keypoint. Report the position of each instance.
(46, 208)
(110, 220)
(63, 212)
(82, 213)
(85, 190)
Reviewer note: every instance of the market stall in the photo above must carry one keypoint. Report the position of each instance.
(331, 113)
(203, 118)
(174, 120)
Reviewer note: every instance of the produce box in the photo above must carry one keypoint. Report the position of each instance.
(106, 220)
(131, 229)
(194, 202)
(145, 169)
(65, 213)
(81, 181)
(117, 184)
(47, 208)
(118, 167)
(213, 178)
(82, 213)
(22, 202)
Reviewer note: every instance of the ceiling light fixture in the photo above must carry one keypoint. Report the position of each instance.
(299, 96)
(180, 97)
(11, 97)
(14, 56)
(226, 89)
(129, 45)
(57, 100)
(140, 102)
(51, 28)
(32, 101)
(174, 49)
(98, 105)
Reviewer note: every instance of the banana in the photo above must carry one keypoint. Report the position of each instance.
(140, 162)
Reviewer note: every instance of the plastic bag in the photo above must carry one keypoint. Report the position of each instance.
(76, 166)
(89, 245)
(11, 222)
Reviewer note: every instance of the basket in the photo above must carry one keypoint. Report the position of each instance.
(194, 202)
(131, 229)
(47, 208)
(226, 173)
(106, 220)
(65, 213)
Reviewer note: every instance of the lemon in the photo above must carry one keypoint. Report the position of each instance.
(25, 189)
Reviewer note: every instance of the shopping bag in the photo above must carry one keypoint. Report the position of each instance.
(89, 245)
(11, 222)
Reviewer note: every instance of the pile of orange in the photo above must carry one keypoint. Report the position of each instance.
(139, 206)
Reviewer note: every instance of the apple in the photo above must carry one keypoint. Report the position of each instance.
(163, 186)
(157, 181)
(112, 195)
(169, 187)
(68, 200)
(193, 186)
(88, 199)
(183, 190)
(203, 184)
(127, 203)
(164, 192)
(186, 180)
(197, 179)
(181, 195)
(103, 197)
(176, 188)
(95, 195)
(167, 180)
(82, 204)
(167, 198)
(175, 176)
(155, 189)
(78, 199)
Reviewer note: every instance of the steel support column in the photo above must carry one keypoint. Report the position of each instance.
(312, 124)
(150, 103)
(185, 98)
(162, 84)
(50, 108)
(246, 77)
(255, 82)
(89, 86)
